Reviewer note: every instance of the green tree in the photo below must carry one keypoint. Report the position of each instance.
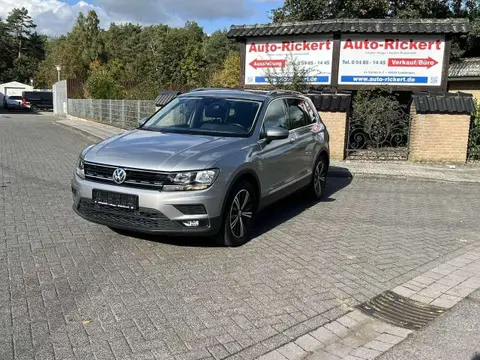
(21, 49)
(5, 48)
(154, 57)
(20, 25)
(216, 48)
(101, 85)
(305, 10)
(229, 75)
(23, 69)
(61, 51)
(86, 33)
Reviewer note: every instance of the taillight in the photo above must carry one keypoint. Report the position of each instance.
(25, 102)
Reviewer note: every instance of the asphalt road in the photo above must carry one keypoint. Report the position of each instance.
(70, 289)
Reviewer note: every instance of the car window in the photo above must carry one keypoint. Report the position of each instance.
(15, 97)
(275, 116)
(299, 114)
(180, 115)
(206, 115)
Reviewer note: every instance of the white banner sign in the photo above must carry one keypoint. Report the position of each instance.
(391, 60)
(273, 60)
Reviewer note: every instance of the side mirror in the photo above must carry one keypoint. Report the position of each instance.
(277, 133)
(142, 121)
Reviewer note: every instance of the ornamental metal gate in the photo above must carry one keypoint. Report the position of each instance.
(384, 137)
(473, 152)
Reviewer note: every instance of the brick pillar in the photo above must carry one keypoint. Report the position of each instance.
(439, 137)
(336, 123)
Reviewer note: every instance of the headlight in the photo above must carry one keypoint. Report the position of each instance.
(191, 180)
(80, 170)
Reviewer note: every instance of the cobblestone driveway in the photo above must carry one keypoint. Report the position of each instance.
(70, 289)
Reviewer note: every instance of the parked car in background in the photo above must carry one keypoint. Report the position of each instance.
(15, 103)
(38, 100)
(205, 164)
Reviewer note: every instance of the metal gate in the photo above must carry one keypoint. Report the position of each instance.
(473, 153)
(384, 137)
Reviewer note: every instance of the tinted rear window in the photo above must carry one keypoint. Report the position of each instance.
(37, 95)
(15, 97)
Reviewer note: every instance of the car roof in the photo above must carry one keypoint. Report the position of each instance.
(254, 95)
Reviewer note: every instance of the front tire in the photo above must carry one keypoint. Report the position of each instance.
(238, 216)
(34, 108)
(319, 178)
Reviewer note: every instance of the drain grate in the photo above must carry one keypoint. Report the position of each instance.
(400, 311)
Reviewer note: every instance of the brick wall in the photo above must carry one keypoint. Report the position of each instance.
(336, 123)
(438, 137)
(469, 87)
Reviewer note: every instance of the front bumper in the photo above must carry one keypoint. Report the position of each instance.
(157, 211)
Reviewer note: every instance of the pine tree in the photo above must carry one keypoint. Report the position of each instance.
(20, 26)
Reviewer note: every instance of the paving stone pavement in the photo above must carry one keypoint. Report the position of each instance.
(74, 290)
(357, 336)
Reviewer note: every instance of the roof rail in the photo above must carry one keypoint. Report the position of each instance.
(257, 90)
(206, 89)
(277, 92)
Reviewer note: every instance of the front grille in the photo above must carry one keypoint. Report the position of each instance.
(135, 177)
(143, 218)
(191, 209)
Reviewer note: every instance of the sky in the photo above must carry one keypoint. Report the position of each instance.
(56, 17)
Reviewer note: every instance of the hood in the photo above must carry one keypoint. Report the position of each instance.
(162, 151)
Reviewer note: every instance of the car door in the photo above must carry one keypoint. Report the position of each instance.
(276, 160)
(302, 120)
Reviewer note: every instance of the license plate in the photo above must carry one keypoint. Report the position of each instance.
(113, 199)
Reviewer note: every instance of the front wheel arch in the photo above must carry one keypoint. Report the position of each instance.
(245, 175)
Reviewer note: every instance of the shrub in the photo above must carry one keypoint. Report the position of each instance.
(379, 118)
(474, 138)
(101, 85)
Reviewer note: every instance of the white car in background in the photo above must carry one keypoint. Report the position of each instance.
(15, 102)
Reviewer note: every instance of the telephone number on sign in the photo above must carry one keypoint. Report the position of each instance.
(319, 62)
(364, 62)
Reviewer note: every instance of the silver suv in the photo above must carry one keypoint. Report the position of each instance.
(205, 164)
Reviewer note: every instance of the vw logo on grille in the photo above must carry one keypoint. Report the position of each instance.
(119, 176)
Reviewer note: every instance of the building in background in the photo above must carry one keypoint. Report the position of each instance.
(464, 76)
(13, 88)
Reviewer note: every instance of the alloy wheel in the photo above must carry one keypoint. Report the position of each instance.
(320, 178)
(241, 213)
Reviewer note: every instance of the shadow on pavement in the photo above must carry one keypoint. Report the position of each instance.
(339, 172)
(297, 203)
(285, 209)
(6, 113)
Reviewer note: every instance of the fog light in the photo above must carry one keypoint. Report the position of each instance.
(192, 223)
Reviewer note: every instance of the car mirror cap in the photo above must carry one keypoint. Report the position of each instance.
(277, 133)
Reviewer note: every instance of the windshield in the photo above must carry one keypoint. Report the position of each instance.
(206, 116)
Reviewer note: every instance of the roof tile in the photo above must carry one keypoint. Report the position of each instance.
(406, 26)
(446, 103)
(467, 67)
